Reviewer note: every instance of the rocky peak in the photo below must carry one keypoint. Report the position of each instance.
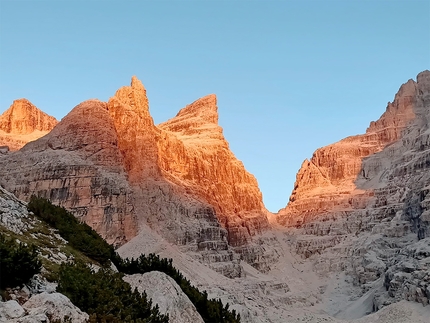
(23, 122)
(129, 110)
(423, 80)
(77, 165)
(23, 118)
(133, 98)
(423, 88)
(89, 130)
(197, 123)
(397, 114)
(111, 166)
(362, 205)
(205, 108)
(195, 153)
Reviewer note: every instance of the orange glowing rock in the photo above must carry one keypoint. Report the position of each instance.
(23, 122)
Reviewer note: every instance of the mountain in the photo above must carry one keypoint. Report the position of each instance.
(109, 164)
(330, 179)
(353, 240)
(383, 167)
(362, 205)
(22, 123)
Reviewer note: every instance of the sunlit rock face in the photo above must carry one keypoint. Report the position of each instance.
(129, 111)
(78, 166)
(115, 169)
(23, 122)
(194, 153)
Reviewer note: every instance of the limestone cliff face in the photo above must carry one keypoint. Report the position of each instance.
(78, 166)
(129, 110)
(328, 180)
(362, 205)
(194, 153)
(23, 122)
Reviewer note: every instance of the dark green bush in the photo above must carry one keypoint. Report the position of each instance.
(79, 235)
(18, 262)
(105, 296)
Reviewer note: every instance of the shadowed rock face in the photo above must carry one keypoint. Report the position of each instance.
(110, 165)
(22, 123)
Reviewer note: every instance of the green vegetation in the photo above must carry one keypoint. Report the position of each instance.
(18, 262)
(79, 235)
(83, 238)
(211, 310)
(105, 296)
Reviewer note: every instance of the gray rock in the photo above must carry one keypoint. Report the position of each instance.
(37, 318)
(56, 306)
(164, 292)
(10, 310)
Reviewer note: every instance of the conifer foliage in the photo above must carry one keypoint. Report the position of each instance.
(211, 310)
(18, 262)
(79, 235)
(105, 296)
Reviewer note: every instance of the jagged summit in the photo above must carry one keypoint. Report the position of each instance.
(129, 110)
(197, 123)
(133, 98)
(23, 122)
(23, 118)
(205, 108)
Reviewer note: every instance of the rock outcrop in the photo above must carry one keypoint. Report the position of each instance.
(137, 142)
(56, 306)
(23, 122)
(40, 308)
(194, 153)
(167, 294)
(328, 180)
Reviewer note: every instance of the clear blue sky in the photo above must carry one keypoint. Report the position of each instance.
(290, 76)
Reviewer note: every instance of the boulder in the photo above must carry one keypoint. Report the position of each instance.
(166, 293)
(55, 306)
